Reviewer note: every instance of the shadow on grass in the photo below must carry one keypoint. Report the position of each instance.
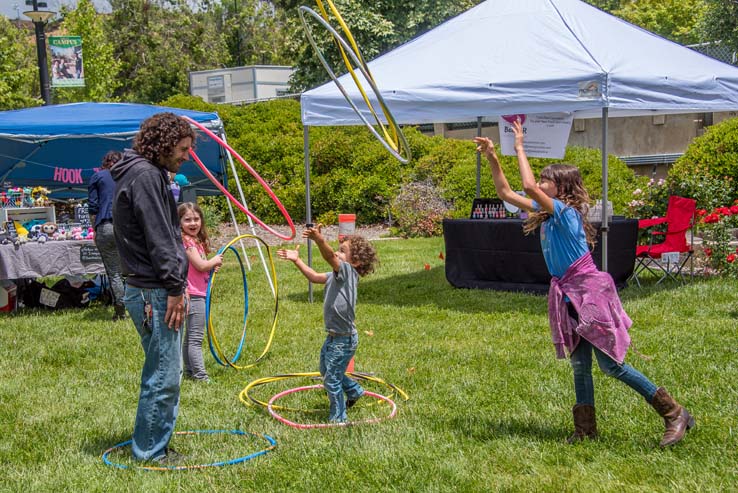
(509, 427)
(430, 287)
(98, 444)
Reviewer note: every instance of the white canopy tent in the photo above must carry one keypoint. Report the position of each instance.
(531, 56)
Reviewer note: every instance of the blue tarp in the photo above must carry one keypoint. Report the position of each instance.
(59, 146)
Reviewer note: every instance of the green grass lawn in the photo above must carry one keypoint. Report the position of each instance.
(489, 408)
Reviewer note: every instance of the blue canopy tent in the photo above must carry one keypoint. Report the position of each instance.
(59, 147)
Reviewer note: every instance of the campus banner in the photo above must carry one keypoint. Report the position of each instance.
(66, 61)
(546, 134)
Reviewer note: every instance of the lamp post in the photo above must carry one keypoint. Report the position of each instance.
(39, 18)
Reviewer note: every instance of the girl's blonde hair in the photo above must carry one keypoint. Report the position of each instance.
(202, 235)
(570, 190)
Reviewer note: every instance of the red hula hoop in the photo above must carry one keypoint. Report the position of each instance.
(251, 170)
(306, 426)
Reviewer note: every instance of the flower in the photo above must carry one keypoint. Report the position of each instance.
(661, 182)
(701, 212)
(708, 251)
(734, 209)
(711, 218)
(730, 258)
(637, 191)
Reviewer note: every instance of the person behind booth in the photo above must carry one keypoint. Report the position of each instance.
(154, 261)
(584, 309)
(100, 193)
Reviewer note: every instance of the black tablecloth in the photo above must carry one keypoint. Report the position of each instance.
(495, 254)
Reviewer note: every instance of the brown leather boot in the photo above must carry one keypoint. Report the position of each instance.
(677, 420)
(585, 424)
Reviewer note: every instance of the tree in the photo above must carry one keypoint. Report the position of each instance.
(159, 43)
(676, 20)
(377, 25)
(101, 68)
(606, 5)
(18, 68)
(720, 22)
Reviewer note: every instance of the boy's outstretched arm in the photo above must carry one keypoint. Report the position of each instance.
(326, 251)
(486, 147)
(294, 257)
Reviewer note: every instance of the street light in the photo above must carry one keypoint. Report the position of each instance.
(39, 18)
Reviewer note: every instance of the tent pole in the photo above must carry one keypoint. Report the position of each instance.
(308, 209)
(605, 219)
(479, 159)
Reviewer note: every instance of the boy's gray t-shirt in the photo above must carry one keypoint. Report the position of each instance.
(339, 300)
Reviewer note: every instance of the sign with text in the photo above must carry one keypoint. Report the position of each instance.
(545, 135)
(82, 215)
(89, 254)
(66, 61)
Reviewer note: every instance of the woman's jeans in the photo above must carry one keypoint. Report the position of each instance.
(335, 356)
(158, 401)
(581, 362)
(105, 243)
(193, 360)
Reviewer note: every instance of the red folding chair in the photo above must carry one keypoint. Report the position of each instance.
(680, 213)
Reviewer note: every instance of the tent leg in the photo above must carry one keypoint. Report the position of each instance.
(479, 159)
(308, 208)
(605, 219)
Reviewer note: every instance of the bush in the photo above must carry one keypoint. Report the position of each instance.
(713, 155)
(419, 210)
(716, 228)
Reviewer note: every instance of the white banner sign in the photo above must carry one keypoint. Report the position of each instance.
(546, 134)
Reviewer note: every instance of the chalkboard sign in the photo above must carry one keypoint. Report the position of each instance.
(82, 215)
(89, 254)
(10, 228)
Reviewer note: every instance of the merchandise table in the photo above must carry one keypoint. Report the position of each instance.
(496, 254)
(53, 258)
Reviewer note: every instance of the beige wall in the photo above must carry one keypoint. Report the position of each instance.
(631, 136)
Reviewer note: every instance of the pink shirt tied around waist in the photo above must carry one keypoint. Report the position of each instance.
(602, 320)
(197, 282)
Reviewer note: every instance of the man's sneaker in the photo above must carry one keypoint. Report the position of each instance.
(170, 458)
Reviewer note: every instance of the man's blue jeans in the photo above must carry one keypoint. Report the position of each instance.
(158, 401)
(335, 356)
(581, 363)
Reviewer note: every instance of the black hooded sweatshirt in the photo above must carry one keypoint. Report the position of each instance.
(147, 230)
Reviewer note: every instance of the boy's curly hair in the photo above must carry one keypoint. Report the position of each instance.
(363, 254)
(159, 135)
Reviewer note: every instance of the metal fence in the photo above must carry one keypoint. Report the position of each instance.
(717, 51)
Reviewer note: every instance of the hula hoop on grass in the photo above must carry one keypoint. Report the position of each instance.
(270, 440)
(305, 426)
(245, 396)
(391, 143)
(215, 347)
(251, 170)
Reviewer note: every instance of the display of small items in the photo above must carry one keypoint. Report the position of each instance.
(16, 197)
(489, 209)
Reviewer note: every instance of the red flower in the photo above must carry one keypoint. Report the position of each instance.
(730, 258)
(427, 266)
(711, 218)
(701, 212)
(734, 209)
(708, 251)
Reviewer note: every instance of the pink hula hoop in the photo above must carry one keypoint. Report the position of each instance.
(251, 170)
(306, 426)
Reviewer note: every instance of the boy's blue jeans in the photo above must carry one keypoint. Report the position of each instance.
(581, 363)
(335, 356)
(158, 401)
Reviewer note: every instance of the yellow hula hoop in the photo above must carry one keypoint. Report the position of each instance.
(213, 340)
(393, 139)
(394, 143)
(245, 397)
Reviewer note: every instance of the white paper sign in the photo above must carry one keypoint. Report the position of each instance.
(49, 298)
(546, 134)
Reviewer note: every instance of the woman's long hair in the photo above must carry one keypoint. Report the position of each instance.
(569, 190)
(202, 235)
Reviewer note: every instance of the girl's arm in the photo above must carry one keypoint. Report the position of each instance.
(526, 174)
(294, 257)
(200, 263)
(487, 147)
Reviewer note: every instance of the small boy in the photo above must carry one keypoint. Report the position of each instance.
(355, 257)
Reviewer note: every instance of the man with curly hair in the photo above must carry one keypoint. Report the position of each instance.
(356, 257)
(147, 234)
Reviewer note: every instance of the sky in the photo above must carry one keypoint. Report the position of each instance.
(13, 9)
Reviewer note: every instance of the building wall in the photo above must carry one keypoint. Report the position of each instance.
(627, 136)
(240, 84)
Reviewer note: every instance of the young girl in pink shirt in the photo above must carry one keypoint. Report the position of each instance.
(197, 246)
